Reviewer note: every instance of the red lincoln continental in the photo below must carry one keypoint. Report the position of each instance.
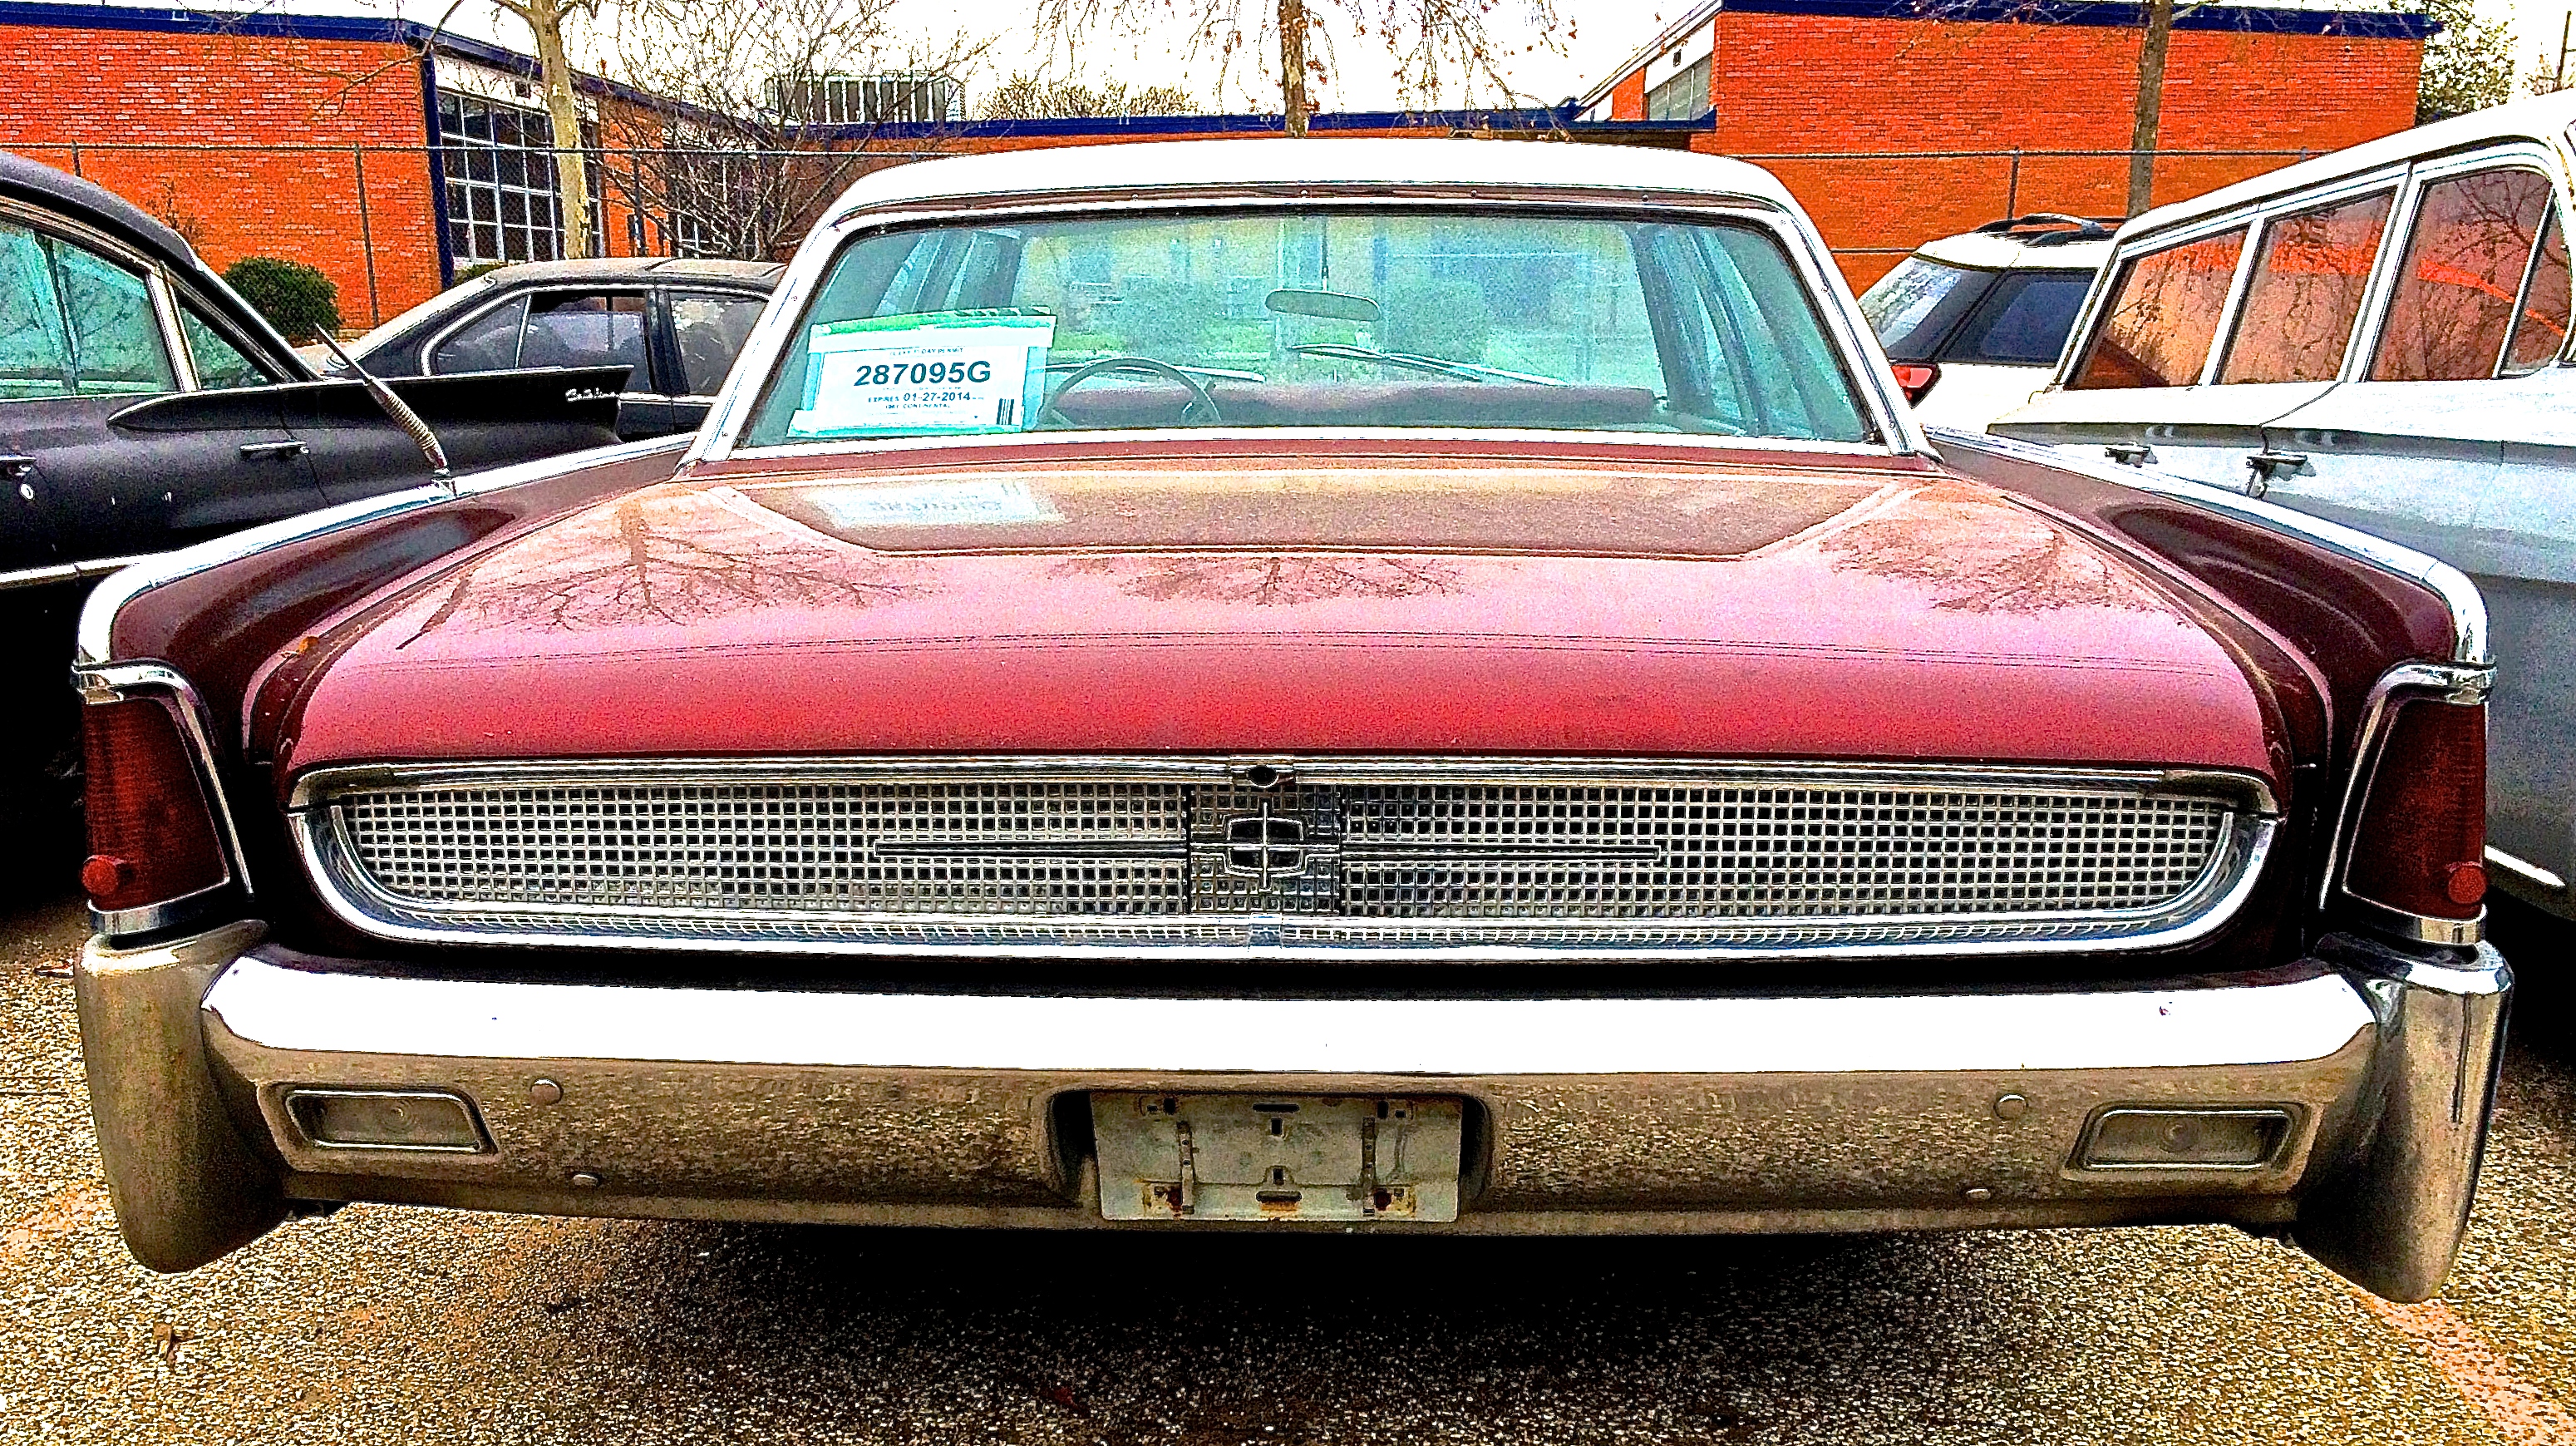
(1409, 686)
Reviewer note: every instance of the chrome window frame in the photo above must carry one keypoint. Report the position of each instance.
(156, 285)
(671, 289)
(2509, 155)
(2089, 318)
(2393, 180)
(2235, 870)
(1856, 347)
(527, 295)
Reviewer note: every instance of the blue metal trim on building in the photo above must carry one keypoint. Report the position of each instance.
(1537, 118)
(437, 154)
(68, 15)
(2115, 14)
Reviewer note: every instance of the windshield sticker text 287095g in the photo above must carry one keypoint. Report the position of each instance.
(933, 372)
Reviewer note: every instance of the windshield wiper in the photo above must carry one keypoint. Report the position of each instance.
(1223, 374)
(1414, 361)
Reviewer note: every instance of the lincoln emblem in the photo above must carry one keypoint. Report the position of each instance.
(1265, 844)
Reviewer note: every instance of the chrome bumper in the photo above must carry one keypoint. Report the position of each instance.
(1853, 1112)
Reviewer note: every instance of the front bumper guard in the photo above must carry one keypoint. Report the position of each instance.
(1731, 1114)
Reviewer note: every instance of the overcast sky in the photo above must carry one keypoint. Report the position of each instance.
(1607, 32)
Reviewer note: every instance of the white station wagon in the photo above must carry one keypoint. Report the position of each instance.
(2379, 337)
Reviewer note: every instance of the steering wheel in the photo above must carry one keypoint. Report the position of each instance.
(1199, 398)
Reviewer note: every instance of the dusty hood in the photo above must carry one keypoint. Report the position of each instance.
(1251, 605)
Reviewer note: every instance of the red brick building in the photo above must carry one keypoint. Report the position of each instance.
(1783, 79)
(395, 157)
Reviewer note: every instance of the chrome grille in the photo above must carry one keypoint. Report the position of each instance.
(1184, 855)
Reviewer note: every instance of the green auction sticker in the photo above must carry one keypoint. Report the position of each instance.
(928, 372)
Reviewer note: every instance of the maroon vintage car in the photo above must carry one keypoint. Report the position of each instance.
(1408, 686)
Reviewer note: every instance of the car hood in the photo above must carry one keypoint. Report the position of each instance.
(1571, 604)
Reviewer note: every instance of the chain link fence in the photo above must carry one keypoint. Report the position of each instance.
(393, 225)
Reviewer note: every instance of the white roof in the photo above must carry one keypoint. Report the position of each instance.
(2544, 118)
(1277, 160)
(2000, 252)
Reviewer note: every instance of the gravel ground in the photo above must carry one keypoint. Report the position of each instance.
(392, 1324)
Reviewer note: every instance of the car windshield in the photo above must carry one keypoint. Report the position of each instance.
(1914, 306)
(1343, 318)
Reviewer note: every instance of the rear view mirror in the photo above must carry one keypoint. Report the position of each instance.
(1333, 304)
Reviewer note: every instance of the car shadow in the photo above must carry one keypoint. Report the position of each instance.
(2541, 948)
(1200, 1339)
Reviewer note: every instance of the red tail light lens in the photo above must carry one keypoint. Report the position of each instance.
(2420, 844)
(151, 833)
(1916, 378)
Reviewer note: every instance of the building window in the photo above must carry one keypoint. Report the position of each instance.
(501, 182)
(1684, 97)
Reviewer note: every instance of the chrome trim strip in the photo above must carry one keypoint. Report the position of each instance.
(2251, 792)
(2230, 877)
(1396, 437)
(2468, 608)
(114, 682)
(2523, 869)
(165, 310)
(374, 1013)
(72, 571)
(98, 617)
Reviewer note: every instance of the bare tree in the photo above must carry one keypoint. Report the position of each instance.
(2468, 66)
(753, 124)
(545, 20)
(1432, 46)
(1028, 97)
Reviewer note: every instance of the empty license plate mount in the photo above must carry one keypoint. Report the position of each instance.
(1277, 1157)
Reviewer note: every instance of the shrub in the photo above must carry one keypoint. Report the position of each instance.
(298, 300)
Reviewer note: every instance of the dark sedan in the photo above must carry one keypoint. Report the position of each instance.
(143, 407)
(676, 325)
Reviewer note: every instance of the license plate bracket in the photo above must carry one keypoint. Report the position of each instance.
(1277, 1157)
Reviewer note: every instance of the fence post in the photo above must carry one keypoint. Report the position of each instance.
(76, 169)
(2012, 193)
(366, 234)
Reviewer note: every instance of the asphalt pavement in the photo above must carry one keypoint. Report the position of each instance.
(387, 1324)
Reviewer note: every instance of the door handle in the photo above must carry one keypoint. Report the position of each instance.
(14, 465)
(261, 450)
(2135, 454)
(2267, 466)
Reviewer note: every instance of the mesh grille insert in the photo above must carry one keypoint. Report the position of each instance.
(1309, 857)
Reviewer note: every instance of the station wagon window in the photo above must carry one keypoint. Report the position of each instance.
(2474, 240)
(1354, 318)
(2306, 292)
(73, 323)
(2164, 312)
(2540, 330)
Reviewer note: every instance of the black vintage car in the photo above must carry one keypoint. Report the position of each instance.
(144, 406)
(676, 323)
